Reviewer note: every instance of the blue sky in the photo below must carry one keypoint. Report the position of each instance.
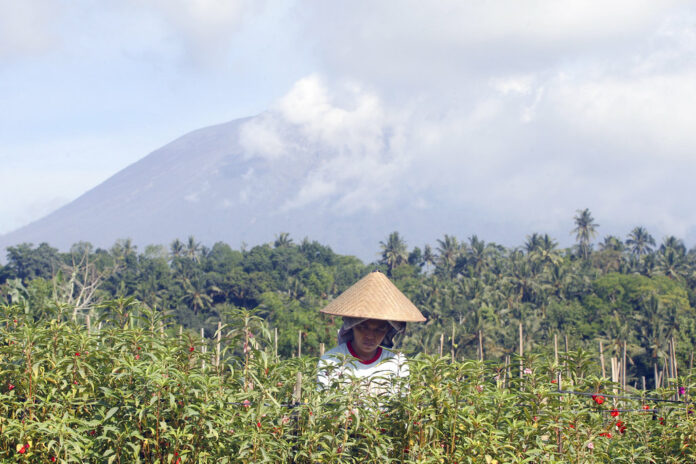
(527, 110)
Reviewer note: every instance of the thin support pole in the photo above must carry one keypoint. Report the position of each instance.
(480, 340)
(521, 351)
(442, 343)
(297, 394)
(217, 346)
(299, 344)
(623, 367)
(275, 342)
(204, 349)
(601, 360)
(674, 357)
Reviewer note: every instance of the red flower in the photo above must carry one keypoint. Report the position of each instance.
(11, 387)
(53, 459)
(662, 420)
(191, 349)
(554, 381)
(605, 434)
(621, 426)
(22, 450)
(258, 424)
(614, 413)
(77, 353)
(246, 403)
(646, 407)
(137, 356)
(599, 399)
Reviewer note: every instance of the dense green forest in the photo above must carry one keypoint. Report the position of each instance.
(630, 289)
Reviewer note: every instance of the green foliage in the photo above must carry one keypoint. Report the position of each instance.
(632, 290)
(136, 391)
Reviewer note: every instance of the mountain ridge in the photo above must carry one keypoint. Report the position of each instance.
(205, 184)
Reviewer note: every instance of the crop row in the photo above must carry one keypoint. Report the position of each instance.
(134, 393)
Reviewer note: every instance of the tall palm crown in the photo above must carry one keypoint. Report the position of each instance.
(640, 241)
(585, 230)
(394, 251)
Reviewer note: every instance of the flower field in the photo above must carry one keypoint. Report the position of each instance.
(137, 391)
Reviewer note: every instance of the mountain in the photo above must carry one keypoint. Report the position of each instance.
(242, 183)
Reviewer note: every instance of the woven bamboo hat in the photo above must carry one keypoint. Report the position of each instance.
(374, 297)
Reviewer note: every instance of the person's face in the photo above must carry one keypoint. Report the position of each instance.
(368, 335)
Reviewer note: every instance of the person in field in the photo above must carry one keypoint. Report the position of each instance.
(374, 313)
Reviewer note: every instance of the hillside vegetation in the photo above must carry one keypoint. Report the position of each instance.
(617, 290)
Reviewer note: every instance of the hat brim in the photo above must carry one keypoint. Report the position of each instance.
(374, 297)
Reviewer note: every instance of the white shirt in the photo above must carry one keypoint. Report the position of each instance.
(375, 375)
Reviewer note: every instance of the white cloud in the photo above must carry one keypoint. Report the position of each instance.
(206, 29)
(350, 145)
(28, 27)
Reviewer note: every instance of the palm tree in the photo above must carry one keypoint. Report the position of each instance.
(428, 256)
(640, 241)
(282, 240)
(542, 249)
(477, 255)
(196, 295)
(394, 252)
(585, 230)
(673, 243)
(448, 250)
(176, 249)
(532, 243)
(193, 249)
(672, 264)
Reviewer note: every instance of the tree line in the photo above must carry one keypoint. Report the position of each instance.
(617, 290)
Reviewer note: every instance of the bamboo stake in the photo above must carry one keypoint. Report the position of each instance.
(321, 349)
(555, 348)
(506, 373)
(452, 341)
(297, 394)
(181, 332)
(643, 377)
(442, 343)
(89, 325)
(480, 337)
(601, 360)
(204, 349)
(659, 378)
(559, 440)
(217, 346)
(623, 367)
(674, 354)
(299, 344)
(656, 375)
(567, 372)
(275, 342)
(691, 361)
(521, 351)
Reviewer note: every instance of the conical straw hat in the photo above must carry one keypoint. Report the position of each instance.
(374, 297)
